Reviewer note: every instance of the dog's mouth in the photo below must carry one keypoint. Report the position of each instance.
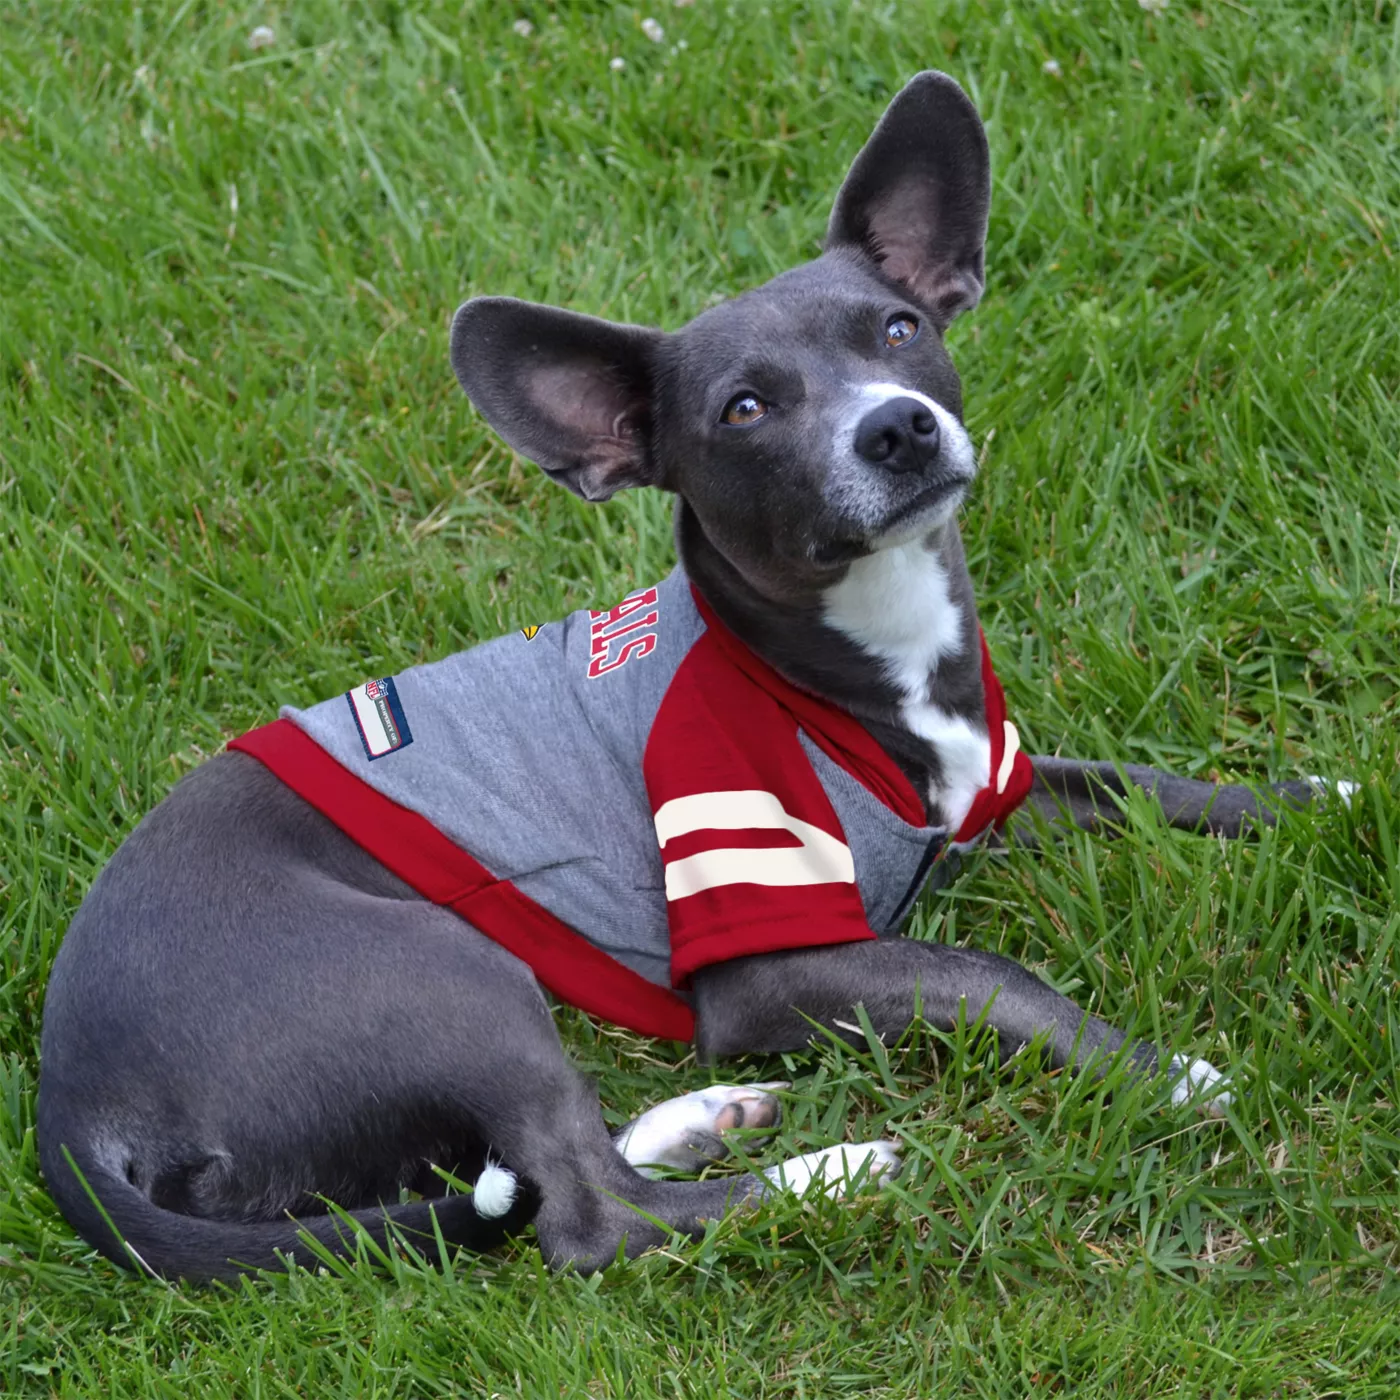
(934, 503)
(938, 498)
(830, 553)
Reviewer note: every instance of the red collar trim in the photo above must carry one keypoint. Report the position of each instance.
(842, 737)
(1011, 770)
(836, 732)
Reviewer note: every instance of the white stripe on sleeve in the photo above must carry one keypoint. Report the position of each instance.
(821, 859)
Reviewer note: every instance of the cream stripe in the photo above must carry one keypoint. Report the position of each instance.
(1008, 756)
(737, 810)
(820, 860)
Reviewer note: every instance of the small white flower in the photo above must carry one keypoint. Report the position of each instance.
(1153, 7)
(618, 64)
(1051, 66)
(653, 31)
(262, 38)
(524, 28)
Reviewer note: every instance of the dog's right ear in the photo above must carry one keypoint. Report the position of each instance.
(570, 392)
(916, 199)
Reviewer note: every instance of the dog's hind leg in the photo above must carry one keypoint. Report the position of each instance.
(224, 1056)
(595, 1206)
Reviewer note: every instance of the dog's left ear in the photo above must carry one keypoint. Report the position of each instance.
(916, 198)
(570, 392)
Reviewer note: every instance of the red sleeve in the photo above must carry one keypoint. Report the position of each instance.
(756, 860)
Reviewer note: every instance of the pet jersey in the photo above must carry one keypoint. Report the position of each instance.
(626, 796)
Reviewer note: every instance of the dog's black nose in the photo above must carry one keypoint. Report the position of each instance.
(901, 435)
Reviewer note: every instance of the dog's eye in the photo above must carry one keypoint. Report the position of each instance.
(744, 408)
(900, 331)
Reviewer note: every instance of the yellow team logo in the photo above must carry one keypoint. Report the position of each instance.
(529, 633)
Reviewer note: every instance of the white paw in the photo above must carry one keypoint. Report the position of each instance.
(1342, 787)
(1201, 1084)
(687, 1133)
(494, 1191)
(842, 1170)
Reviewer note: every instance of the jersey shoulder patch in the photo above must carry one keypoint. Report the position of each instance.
(379, 717)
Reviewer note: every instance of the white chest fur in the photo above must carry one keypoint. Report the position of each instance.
(896, 605)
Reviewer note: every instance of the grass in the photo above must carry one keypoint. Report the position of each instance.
(235, 471)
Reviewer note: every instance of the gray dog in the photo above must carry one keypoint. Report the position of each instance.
(316, 972)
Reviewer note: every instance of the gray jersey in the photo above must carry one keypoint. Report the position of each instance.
(620, 798)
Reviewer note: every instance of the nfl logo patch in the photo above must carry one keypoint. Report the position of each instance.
(379, 717)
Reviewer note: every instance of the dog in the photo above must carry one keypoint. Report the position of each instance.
(315, 974)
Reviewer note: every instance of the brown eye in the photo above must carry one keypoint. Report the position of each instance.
(744, 408)
(901, 331)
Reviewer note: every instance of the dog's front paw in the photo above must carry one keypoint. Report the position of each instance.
(841, 1171)
(687, 1133)
(1342, 788)
(1200, 1084)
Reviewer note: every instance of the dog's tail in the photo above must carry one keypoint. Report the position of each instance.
(118, 1218)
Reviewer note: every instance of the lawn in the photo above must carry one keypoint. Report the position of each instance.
(235, 471)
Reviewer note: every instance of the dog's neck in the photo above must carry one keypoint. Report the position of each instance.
(894, 642)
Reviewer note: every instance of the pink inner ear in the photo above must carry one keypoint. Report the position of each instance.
(899, 229)
(584, 398)
(595, 419)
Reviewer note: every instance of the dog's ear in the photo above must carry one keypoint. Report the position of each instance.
(570, 392)
(916, 198)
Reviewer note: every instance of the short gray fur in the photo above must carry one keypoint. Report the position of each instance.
(249, 1016)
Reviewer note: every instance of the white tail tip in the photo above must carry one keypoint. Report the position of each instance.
(494, 1192)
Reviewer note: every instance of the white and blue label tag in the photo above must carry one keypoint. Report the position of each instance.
(379, 717)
